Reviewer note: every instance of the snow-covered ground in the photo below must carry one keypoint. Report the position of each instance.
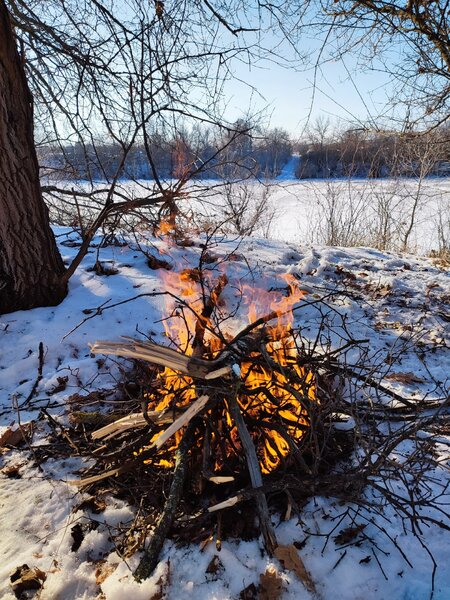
(288, 171)
(353, 212)
(391, 214)
(399, 303)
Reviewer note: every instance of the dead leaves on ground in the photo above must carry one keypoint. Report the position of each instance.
(13, 471)
(12, 438)
(214, 568)
(104, 570)
(405, 378)
(290, 559)
(94, 504)
(348, 535)
(24, 579)
(271, 583)
(60, 386)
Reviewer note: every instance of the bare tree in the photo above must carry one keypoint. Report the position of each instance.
(339, 215)
(245, 208)
(31, 269)
(105, 70)
(409, 39)
(419, 157)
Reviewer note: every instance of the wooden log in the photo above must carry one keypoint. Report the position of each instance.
(270, 540)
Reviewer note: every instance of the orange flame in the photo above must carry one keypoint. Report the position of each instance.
(273, 392)
(165, 227)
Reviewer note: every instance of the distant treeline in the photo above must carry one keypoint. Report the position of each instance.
(240, 152)
(358, 153)
(244, 152)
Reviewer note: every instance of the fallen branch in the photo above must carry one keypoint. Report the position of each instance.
(55, 425)
(151, 556)
(270, 540)
(160, 355)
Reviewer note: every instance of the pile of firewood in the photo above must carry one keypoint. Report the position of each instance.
(241, 415)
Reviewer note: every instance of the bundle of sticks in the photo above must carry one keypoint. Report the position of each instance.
(217, 381)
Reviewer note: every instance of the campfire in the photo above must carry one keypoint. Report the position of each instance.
(227, 407)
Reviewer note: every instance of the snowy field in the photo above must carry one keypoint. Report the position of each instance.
(375, 213)
(388, 214)
(360, 209)
(398, 303)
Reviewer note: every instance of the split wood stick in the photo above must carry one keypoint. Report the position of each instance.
(165, 357)
(95, 478)
(226, 503)
(219, 479)
(218, 373)
(150, 559)
(133, 421)
(183, 420)
(149, 352)
(254, 469)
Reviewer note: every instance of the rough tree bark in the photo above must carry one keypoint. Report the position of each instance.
(31, 267)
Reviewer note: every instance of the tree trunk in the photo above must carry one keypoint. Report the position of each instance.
(30, 264)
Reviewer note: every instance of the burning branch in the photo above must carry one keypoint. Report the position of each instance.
(203, 320)
(185, 418)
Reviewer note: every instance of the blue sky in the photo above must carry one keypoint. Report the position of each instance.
(344, 87)
(287, 94)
